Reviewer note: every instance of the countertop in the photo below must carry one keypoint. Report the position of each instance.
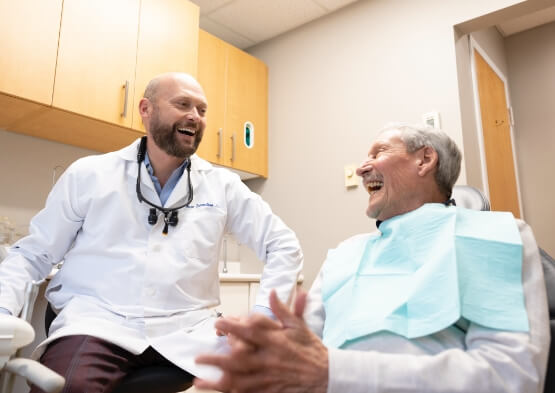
(247, 277)
(224, 277)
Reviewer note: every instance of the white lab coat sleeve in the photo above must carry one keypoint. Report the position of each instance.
(253, 223)
(493, 361)
(314, 313)
(51, 233)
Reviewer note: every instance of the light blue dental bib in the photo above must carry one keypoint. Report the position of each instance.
(424, 271)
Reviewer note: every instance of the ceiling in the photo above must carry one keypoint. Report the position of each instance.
(244, 23)
(528, 21)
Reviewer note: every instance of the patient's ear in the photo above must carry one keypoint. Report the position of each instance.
(426, 160)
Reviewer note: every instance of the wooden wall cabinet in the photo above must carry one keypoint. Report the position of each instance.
(96, 59)
(168, 41)
(109, 50)
(29, 31)
(73, 71)
(236, 87)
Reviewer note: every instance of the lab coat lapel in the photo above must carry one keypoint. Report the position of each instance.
(129, 154)
(180, 193)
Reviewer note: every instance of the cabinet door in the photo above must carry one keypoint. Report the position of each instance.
(212, 65)
(253, 291)
(29, 31)
(247, 103)
(234, 297)
(168, 42)
(96, 59)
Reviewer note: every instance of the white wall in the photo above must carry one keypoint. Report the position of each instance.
(26, 169)
(333, 84)
(531, 62)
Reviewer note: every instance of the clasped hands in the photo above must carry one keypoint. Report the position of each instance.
(268, 355)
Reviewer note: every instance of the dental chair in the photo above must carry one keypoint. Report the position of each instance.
(548, 264)
(472, 198)
(16, 333)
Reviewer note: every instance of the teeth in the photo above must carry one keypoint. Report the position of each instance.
(374, 186)
(187, 131)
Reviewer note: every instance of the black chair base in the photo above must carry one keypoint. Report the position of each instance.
(156, 379)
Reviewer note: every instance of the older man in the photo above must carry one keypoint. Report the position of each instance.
(440, 299)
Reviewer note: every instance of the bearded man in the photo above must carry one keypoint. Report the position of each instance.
(139, 231)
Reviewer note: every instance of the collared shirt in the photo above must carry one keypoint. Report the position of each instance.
(165, 192)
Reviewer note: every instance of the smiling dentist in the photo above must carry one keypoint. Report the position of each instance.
(139, 231)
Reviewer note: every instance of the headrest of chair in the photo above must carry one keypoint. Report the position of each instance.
(470, 198)
(548, 264)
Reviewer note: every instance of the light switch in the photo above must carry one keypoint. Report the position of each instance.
(351, 178)
(431, 119)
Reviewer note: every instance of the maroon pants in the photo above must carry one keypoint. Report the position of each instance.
(92, 365)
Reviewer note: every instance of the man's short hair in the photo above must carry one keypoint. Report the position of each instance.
(416, 137)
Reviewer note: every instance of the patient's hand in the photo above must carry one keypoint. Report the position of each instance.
(270, 356)
(220, 332)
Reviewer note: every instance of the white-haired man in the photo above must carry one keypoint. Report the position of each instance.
(440, 299)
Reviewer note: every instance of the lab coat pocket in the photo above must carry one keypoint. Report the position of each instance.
(203, 228)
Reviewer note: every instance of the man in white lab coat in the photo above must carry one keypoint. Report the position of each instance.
(440, 299)
(139, 231)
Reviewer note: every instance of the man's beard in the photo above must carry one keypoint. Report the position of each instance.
(164, 136)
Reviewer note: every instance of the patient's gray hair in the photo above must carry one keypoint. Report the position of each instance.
(416, 137)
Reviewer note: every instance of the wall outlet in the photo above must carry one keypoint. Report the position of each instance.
(351, 178)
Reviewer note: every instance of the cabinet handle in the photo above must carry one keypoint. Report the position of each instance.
(126, 87)
(219, 153)
(232, 147)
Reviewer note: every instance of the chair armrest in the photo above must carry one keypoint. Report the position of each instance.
(14, 334)
(31, 292)
(37, 374)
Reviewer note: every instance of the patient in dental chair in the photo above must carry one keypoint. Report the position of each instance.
(439, 299)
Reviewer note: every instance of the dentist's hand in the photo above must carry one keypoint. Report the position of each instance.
(270, 356)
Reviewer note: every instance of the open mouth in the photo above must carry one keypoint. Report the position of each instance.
(187, 131)
(374, 186)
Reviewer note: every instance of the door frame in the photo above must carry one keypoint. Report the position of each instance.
(473, 45)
